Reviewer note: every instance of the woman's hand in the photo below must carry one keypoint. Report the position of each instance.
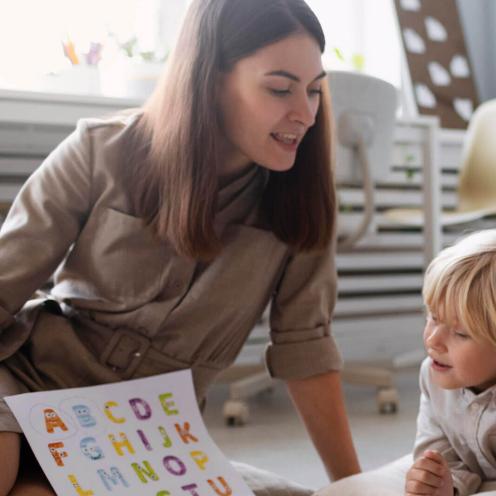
(429, 475)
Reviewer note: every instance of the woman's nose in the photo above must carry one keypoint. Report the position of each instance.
(304, 111)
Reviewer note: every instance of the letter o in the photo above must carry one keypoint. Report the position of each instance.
(174, 465)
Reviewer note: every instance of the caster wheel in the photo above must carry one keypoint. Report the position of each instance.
(235, 413)
(387, 400)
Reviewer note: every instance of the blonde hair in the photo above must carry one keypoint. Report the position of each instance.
(460, 285)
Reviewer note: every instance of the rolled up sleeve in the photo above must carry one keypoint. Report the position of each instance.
(302, 344)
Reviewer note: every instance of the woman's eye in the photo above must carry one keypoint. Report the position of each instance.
(277, 92)
(461, 335)
(315, 92)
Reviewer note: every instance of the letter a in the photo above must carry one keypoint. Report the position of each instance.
(52, 420)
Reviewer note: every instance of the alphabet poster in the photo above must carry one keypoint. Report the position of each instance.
(144, 437)
(440, 70)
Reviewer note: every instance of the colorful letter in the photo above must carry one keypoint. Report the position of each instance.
(118, 445)
(107, 407)
(52, 420)
(227, 490)
(163, 493)
(57, 455)
(90, 448)
(114, 478)
(148, 471)
(77, 487)
(199, 458)
(144, 440)
(191, 488)
(83, 414)
(167, 440)
(173, 465)
(184, 433)
(136, 403)
(168, 405)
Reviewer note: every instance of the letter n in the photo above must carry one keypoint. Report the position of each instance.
(147, 471)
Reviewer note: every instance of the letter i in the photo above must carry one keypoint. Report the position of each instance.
(144, 440)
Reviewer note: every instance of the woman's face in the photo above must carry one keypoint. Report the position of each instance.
(268, 101)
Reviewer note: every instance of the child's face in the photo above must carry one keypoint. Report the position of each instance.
(457, 360)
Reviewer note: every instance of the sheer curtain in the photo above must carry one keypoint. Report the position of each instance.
(364, 31)
(31, 33)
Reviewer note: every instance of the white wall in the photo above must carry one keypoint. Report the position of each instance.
(478, 18)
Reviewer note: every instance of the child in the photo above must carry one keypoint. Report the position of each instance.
(455, 446)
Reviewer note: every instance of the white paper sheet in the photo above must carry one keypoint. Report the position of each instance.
(141, 437)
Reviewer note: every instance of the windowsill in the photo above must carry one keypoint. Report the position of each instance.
(55, 96)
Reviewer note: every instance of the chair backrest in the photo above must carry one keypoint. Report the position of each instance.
(366, 105)
(477, 185)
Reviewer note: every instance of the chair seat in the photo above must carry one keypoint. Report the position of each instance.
(410, 217)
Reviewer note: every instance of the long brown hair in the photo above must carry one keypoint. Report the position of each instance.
(174, 184)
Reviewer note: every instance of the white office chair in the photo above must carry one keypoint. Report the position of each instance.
(364, 110)
(477, 182)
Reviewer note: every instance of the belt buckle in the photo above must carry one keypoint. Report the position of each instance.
(125, 351)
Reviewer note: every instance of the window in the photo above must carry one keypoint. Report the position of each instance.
(32, 32)
(359, 33)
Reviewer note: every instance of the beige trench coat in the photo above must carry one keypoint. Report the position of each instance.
(130, 306)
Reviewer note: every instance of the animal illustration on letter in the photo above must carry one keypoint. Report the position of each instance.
(83, 414)
(52, 420)
(90, 448)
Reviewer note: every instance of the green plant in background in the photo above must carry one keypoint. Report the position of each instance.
(344, 208)
(339, 54)
(356, 60)
(410, 169)
(130, 48)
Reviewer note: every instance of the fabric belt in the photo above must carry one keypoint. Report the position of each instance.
(132, 355)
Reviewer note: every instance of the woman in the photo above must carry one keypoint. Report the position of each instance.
(174, 226)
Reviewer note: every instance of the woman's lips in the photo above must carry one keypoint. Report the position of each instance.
(287, 141)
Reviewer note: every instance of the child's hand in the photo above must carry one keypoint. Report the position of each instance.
(429, 475)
